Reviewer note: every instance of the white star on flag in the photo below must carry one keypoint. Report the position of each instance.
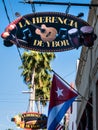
(59, 92)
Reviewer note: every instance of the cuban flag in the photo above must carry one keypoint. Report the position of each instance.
(61, 98)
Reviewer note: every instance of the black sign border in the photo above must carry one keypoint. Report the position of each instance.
(39, 14)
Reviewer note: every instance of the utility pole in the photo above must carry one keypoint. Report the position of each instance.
(32, 94)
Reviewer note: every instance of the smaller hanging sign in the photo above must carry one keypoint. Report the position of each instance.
(48, 31)
(30, 120)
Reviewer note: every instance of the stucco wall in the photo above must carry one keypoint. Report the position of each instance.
(87, 74)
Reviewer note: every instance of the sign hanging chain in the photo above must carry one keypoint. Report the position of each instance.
(68, 7)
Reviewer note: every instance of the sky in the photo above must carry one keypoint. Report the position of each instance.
(12, 100)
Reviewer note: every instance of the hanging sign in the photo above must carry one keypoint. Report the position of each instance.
(46, 31)
(31, 120)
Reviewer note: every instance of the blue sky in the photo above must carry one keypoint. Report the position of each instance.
(12, 100)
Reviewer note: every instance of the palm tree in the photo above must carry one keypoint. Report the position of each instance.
(36, 73)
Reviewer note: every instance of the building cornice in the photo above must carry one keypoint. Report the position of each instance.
(92, 11)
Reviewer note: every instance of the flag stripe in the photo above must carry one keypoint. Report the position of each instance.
(53, 113)
(57, 113)
(59, 127)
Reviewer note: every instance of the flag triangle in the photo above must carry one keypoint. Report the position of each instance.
(60, 92)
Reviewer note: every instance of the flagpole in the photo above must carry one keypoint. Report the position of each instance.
(72, 88)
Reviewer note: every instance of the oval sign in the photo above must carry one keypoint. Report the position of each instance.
(30, 120)
(47, 31)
